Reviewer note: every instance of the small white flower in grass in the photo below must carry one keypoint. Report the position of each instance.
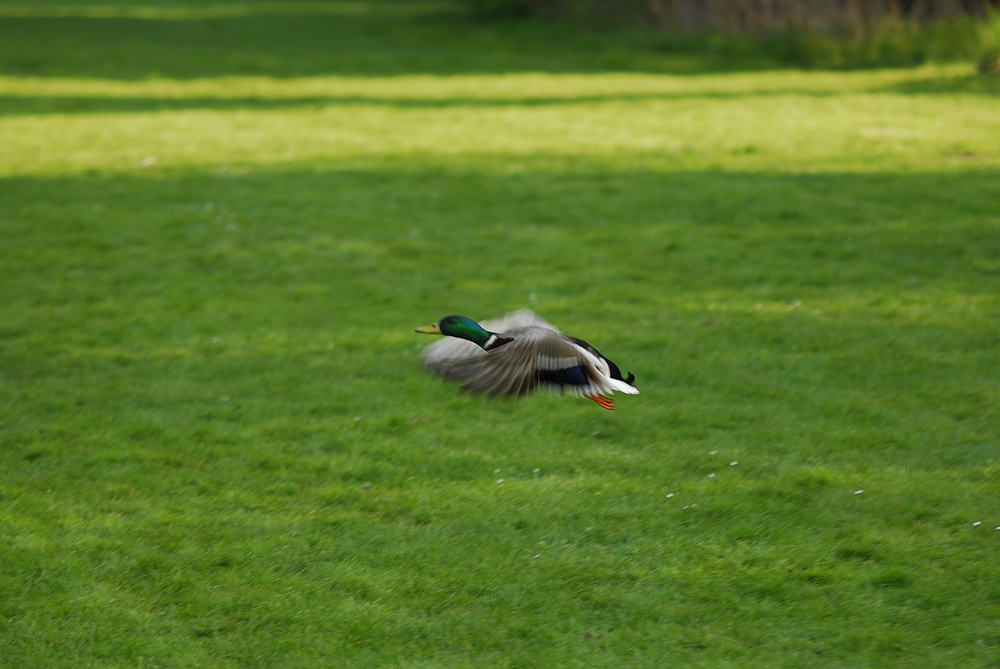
(733, 463)
(977, 523)
(669, 495)
(713, 452)
(687, 507)
(535, 557)
(997, 527)
(499, 480)
(536, 470)
(694, 506)
(711, 476)
(858, 492)
(496, 471)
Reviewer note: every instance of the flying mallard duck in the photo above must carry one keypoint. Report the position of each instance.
(512, 356)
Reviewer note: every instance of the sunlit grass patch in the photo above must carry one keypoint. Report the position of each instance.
(458, 89)
(845, 122)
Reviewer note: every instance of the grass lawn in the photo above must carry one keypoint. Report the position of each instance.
(221, 223)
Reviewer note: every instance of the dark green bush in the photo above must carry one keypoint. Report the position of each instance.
(793, 34)
(502, 9)
(886, 44)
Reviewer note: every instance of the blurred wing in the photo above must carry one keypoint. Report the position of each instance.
(442, 353)
(505, 371)
(447, 349)
(537, 356)
(522, 318)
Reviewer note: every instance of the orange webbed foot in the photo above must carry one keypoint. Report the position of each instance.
(603, 402)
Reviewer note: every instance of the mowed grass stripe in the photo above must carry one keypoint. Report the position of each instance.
(512, 87)
(847, 131)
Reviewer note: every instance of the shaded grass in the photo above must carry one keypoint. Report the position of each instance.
(124, 40)
(316, 38)
(977, 85)
(283, 483)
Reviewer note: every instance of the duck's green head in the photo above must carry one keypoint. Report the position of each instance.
(458, 326)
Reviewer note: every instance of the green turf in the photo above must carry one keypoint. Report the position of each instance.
(218, 447)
